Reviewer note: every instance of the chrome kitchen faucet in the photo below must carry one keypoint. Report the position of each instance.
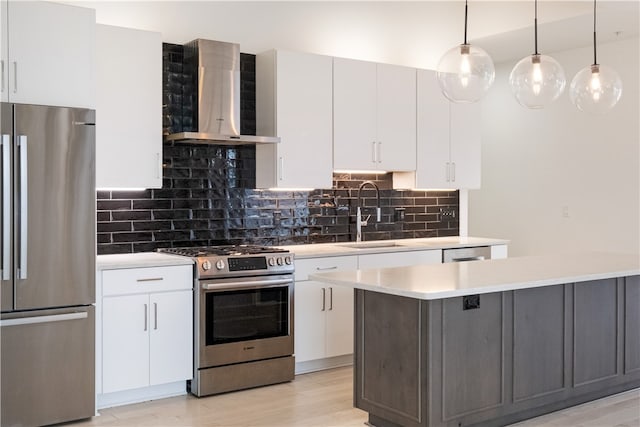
(359, 221)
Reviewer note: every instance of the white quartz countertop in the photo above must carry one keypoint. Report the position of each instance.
(137, 260)
(317, 250)
(438, 281)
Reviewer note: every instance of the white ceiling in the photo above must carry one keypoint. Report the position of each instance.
(615, 20)
(413, 33)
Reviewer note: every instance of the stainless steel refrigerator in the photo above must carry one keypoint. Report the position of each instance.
(47, 291)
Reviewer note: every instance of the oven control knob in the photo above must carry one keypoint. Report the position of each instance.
(279, 261)
(287, 260)
(272, 262)
(206, 265)
(220, 264)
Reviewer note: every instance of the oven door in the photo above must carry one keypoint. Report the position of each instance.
(244, 319)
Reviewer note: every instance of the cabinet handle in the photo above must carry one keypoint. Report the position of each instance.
(280, 168)
(155, 315)
(453, 172)
(335, 267)
(2, 74)
(374, 158)
(330, 299)
(146, 314)
(379, 153)
(15, 77)
(447, 173)
(150, 279)
(324, 294)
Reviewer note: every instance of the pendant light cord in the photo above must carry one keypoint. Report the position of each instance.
(466, 6)
(535, 27)
(595, 60)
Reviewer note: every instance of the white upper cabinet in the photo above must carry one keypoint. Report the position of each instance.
(448, 141)
(374, 116)
(396, 117)
(294, 102)
(4, 53)
(354, 114)
(466, 137)
(48, 54)
(128, 108)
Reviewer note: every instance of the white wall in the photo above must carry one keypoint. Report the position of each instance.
(537, 163)
(411, 33)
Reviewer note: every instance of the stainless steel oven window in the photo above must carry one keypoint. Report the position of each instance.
(246, 314)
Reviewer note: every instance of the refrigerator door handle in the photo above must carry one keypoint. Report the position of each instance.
(24, 202)
(43, 319)
(6, 206)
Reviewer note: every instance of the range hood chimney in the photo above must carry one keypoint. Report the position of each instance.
(215, 71)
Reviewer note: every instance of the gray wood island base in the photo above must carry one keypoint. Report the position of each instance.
(493, 352)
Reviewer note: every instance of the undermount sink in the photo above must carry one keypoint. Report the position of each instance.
(370, 245)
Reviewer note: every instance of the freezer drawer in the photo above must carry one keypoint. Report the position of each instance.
(48, 365)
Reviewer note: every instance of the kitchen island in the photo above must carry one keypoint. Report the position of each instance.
(493, 342)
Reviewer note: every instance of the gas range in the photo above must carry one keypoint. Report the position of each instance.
(236, 260)
(243, 316)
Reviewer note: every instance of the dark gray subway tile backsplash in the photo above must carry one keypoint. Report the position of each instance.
(208, 194)
(215, 212)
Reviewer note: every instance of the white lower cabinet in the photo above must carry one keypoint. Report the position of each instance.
(147, 333)
(323, 315)
(125, 341)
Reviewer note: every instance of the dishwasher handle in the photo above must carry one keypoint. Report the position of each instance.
(469, 258)
(471, 253)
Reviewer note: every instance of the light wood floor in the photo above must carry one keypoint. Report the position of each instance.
(324, 399)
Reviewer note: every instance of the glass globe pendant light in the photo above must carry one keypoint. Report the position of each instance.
(597, 88)
(465, 72)
(537, 80)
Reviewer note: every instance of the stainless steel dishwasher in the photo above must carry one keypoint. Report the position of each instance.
(475, 253)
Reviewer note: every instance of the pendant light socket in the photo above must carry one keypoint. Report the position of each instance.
(465, 72)
(598, 88)
(537, 80)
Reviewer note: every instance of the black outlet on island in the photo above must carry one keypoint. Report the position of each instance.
(471, 302)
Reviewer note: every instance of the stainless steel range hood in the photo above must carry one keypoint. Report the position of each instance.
(215, 74)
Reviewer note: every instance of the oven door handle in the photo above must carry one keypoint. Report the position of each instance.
(249, 284)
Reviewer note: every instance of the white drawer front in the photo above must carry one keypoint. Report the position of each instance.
(144, 280)
(400, 259)
(305, 267)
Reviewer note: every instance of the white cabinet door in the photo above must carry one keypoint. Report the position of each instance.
(309, 318)
(374, 116)
(323, 313)
(466, 131)
(433, 133)
(128, 108)
(400, 259)
(339, 321)
(4, 53)
(51, 54)
(448, 141)
(298, 109)
(125, 342)
(354, 115)
(170, 336)
(396, 117)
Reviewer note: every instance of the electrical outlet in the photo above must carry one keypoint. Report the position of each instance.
(277, 216)
(447, 214)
